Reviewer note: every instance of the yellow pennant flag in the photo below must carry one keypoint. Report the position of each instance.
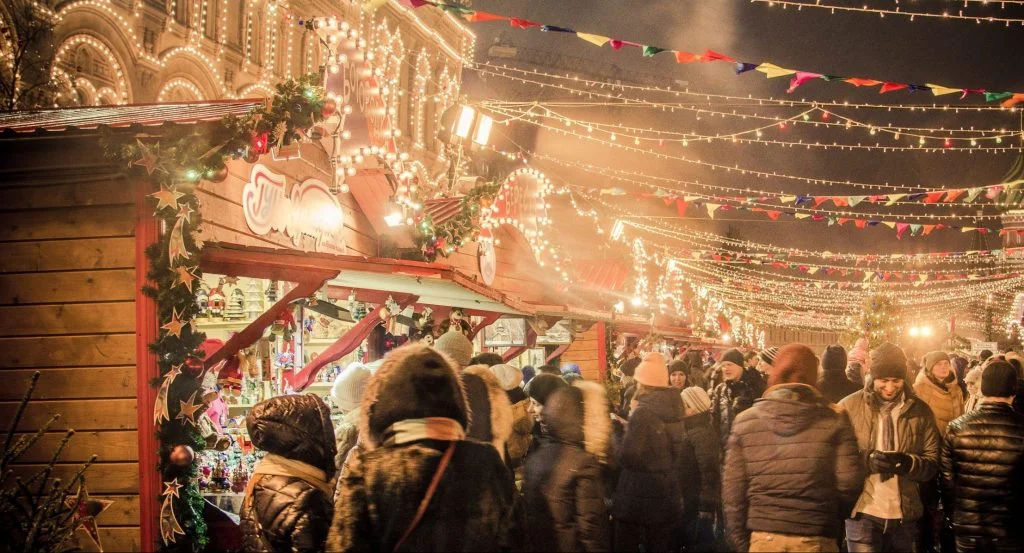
(712, 208)
(813, 270)
(771, 70)
(893, 198)
(889, 224)
(596, 40)
(922, 277)
(787, 199)
(801, 215)
(968, 229)
(939, 90)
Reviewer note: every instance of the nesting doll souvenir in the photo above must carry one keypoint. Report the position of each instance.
(217, 302)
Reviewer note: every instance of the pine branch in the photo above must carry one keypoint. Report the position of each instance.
(21, 411)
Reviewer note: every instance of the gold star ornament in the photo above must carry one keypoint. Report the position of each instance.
(175, 325)
(187, 409)
(166, 198)
(185, 277)
(85, 511)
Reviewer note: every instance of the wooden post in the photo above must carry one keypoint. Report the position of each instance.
(602, 351)
(146, 369)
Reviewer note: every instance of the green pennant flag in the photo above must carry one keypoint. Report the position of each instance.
(916, 229)
(996, 96)
(973, 193)
(651, 51)
(832, 221)
(854, 200)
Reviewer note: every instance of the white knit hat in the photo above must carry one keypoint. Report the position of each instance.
(509, 377)
(349, 385)
(696, 399)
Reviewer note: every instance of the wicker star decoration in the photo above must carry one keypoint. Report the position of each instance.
(149, 160)
(166, 198)
(85, 511)
(175, 325)
(185, 211)
(185, 277)
(187, 409)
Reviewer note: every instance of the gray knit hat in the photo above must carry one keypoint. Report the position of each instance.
(455, 345)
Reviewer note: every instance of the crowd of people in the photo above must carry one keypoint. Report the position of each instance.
(774, 450)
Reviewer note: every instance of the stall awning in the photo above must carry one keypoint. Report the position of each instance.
(92, 117)
(444, 287)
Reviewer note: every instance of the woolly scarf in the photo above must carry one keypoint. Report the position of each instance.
(430, 428)
(942, 384)
(273, 464)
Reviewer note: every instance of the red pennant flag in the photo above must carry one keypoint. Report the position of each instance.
(844, 220)
(954, 195)
(669, 200)
(711, 55)
(840, 201)
(933, 197)
(479, 17)
(855, 81)
(860, 223)
(901, 228)
(773, 215)
(818, 200)
(681, 207)
(928, 229)
(889, 87)
(524, 23)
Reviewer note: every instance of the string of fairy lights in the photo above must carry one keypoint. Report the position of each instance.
(900, 11)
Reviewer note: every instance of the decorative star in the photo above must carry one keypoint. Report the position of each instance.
(171, 488)
(231, 281)
(185, 211)
(175, 325)
(149, 159)
(85, 511)
(187, 409)
(185, 277)
(166, 198)
(173, 373)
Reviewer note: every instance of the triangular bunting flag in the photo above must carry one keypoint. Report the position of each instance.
(742, 67)
(890, 224)
(854, 200)
(939, 90)
(773, 215)
(787, 199)
(860, 223)
(968, 229)
(953, 195)
(800, 78)
(712, 208)
(711, 55)
(651, 51)
(890, 87)
(973, 193)
(934, 197)
(840, 201)
(928, 229)
(863, 82)
(772, 71)
(893, 198)
(480, 17)
(901, 228)
(686, 57)
(801, 215)
(596, 40)
(681, 207)
(915, 229)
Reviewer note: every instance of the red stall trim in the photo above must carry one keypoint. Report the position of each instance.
(146, 324)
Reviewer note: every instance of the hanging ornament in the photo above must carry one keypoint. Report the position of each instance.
(161, 412)
(85, 510)
(169, 526)
(166, 197)
(182, 455)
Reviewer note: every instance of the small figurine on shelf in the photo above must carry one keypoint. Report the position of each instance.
(272, 291)
(236, 305)
(219, 480)
(239, 478)
(203, 301)
(230, 380)
(284, 325)
(216, 302)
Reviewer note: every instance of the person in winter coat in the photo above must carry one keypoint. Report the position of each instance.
(653, 487)
(982, 469)
(542, 386)
(732, 396)
(765, 360)
(791, 464)
(972, 380)
(703, 529)
(628, 386)
(563, 485)
(420, 484)
(346, 394)
(694, 360)
(899, 442)
(491, 420)
(287, 504)
(833, 383)
(518, 443)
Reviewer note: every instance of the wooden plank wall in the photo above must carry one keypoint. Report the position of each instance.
(584, 352)
(67, 309)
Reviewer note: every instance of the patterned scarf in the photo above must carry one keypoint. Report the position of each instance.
(888, 426)
(430, 428)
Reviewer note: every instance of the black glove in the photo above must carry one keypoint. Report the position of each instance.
(901, 462)
(889, 462)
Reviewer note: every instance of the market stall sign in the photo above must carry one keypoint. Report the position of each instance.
(309, 210)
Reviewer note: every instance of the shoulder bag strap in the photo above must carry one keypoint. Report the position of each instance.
(430, 494)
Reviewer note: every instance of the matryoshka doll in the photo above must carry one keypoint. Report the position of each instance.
(217, 302)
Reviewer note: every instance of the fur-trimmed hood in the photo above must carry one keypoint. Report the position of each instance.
(294, 426)
(413, 382)
(489, 406)
(579, 414)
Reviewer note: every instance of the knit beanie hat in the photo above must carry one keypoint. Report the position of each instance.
(833, 359)
(794, 364)
(543, 385)
(528, 373)
(653, 371)
(455, 345)
(348, 387)
(508, 376)
(696, 399)
(888, 361)
(679, 366)
(932, 358)
(629, 367)
(733, 356)
(999, 379)
(984, 354)
(768, 355)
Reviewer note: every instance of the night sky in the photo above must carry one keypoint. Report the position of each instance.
(949, 52)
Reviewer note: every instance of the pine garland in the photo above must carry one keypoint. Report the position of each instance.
(176, 160)
(442, 240)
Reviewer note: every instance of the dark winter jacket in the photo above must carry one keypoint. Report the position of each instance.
(654, 457)
(288, 512)
(917, 435)
(709, 461)
(834, 386)
(982, 468)
(791, 464)
(562, 489)
(471, 509)
(728, 399)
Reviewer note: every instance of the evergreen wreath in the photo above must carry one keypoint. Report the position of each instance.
(175, 160)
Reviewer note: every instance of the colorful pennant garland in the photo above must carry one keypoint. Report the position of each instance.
(770, 70)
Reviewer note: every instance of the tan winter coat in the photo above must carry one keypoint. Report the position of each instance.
(946, 404)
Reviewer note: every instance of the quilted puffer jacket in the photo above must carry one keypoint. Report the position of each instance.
(945, 399)
(791, 464)
(982, 469)
(290, 512)
(729, 399)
